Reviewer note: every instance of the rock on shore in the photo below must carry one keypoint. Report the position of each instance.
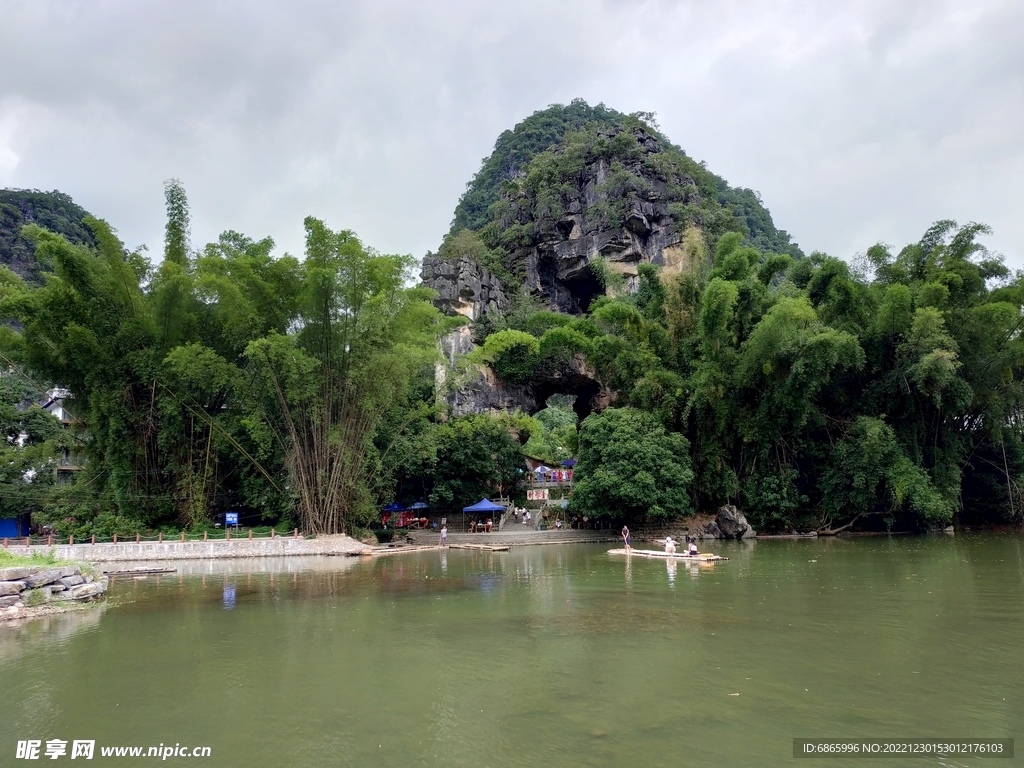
(26, 587)
(732, 524)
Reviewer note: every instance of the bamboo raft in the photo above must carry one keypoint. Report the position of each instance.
(482, 547)
(396, 550)
(140, 571)
(704, 557)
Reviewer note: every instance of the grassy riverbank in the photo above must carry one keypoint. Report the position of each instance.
(11, 560)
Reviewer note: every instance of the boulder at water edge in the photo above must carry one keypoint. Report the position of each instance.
(733, 524)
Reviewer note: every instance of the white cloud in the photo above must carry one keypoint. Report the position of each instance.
(857, 122)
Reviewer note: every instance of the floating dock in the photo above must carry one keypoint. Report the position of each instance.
(705, 557)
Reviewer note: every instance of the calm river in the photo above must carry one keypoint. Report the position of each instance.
(542, 656)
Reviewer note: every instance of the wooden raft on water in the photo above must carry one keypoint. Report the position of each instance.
(395, 550)
(140, 571)
(704, 557)
(484, 547)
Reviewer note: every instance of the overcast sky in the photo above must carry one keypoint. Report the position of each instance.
(858, 122)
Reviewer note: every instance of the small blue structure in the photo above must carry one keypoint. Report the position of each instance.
(482, 506)
(16, 527)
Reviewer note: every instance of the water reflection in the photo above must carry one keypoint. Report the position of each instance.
(229, 596)
(19, 635)
(540, 656)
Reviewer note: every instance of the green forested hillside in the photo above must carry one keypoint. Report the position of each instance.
(54, 211)
(541, 159)
(811, 395)
(710, 363)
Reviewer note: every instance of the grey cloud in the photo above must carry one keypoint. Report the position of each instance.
(857, 123)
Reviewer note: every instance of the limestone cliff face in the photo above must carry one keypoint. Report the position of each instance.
(627, 225)
(475, 389)
(463, 287)
(616, 208)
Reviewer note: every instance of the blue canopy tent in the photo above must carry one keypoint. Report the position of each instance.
(419, 505)
(389, 510)
(481, 507)
(569, 463)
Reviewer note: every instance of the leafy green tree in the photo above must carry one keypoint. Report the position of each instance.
(513, 355)
(631, 467)
(324, 390)
(476, 457)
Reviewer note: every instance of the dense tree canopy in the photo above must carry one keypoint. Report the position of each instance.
(225, 377)
(630, 466)
(812, 392)
(811, 395)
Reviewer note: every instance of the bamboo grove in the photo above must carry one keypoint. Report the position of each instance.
(813, 393)
(224, 378)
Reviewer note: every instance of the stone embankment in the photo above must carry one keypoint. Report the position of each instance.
(517, 538)
(33, 586)
(281, 546)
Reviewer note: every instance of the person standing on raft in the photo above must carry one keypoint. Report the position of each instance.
(625, 538)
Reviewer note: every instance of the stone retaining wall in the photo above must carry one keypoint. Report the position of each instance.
(281, 546)
(512, 537)
(35, 585)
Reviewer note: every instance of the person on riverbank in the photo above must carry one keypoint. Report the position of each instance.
(444, 535)
(625, 538)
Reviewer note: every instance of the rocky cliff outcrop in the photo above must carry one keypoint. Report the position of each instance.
(619, 212)
(468, 389)
(463, 287)
(615, 208)
(54, 211)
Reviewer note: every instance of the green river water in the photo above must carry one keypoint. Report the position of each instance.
(541, 656)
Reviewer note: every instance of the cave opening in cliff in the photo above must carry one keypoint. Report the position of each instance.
(585, 390)
(585, 287)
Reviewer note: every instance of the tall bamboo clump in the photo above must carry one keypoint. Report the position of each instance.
(360, 336)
